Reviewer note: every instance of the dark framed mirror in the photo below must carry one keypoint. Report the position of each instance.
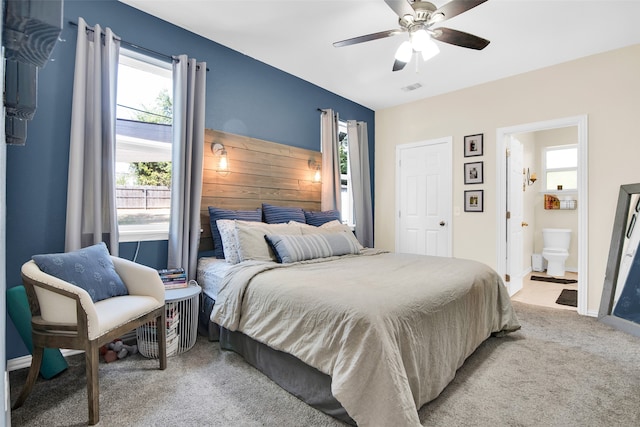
(620, 303)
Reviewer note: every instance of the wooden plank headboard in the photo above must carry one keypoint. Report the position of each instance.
(260, 172)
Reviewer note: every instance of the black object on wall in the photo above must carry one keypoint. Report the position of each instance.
(30, 31)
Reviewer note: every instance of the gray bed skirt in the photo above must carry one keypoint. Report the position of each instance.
(303, 381)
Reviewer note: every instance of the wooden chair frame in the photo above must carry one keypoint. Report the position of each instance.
(76, 336)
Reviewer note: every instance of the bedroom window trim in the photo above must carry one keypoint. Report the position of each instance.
(148, 139)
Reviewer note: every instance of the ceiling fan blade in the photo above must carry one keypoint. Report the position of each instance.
(398, 65)
(459, 38)
(368, 37)
(453, 8)
(400, 7)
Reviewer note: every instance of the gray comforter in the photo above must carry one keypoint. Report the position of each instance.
(390, 329)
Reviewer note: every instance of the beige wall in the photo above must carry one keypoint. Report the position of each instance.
(604, 87)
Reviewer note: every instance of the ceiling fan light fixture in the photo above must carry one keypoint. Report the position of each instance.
(404, 52)
(430, 50)
(437, 17)
(419, 39)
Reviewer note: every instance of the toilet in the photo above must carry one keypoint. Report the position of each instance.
(556, 249)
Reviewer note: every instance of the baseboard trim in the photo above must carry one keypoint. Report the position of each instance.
(25, 361)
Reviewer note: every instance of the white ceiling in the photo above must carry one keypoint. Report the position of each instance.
(296, 36)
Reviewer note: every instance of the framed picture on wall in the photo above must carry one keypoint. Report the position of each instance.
(474, 201)
(473, 173)
(473, 145)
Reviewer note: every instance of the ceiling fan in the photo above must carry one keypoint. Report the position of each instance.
(417, 18)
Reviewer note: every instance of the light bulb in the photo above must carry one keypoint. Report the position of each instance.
(430, 50)
(316, 176)
(223, 165)
(404, 52)
(419, 39)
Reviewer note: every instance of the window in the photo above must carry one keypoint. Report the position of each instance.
(143, 147)
(345, 176)
(561, 168)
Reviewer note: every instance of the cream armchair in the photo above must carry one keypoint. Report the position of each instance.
(65, 316)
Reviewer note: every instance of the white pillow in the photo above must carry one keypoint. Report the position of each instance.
(251, 242)
(334, 226)
(227, 229)
(334, 223)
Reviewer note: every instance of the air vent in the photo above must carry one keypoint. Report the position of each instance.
(411, 87)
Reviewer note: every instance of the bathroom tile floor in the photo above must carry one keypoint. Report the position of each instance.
(544, 293)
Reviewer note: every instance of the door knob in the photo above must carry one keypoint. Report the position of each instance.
(442, 223)
(525, 224)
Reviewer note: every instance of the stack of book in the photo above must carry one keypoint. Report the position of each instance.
(173, 278)
(147, 334)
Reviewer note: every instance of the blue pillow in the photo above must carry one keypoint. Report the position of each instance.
(90, 268)
(293, 248)
(281, 214)
(318, 218)
(217, 213)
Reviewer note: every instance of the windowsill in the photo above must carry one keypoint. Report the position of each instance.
(142, 233)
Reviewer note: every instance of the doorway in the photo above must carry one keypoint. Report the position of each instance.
(507, 247)
(424, 185)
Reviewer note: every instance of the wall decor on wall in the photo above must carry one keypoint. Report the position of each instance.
(473, 201)
(473, 173)
(473, 145)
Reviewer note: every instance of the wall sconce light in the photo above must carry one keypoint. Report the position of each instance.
(220, 152)
(317, 176)
(529, 178)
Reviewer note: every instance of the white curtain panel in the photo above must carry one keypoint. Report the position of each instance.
(331, 198)
(91, 201)
(189, 87)
(360, 180)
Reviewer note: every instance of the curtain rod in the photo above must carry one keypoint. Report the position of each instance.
(322, 110)
(135, 46)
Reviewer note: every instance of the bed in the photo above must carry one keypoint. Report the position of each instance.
(365, 335)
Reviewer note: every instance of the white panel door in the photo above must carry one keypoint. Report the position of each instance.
(515, 222)
(424, 184)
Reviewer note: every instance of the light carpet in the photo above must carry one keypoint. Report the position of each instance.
(561, 369)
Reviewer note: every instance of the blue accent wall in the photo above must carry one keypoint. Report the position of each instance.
(244, 96)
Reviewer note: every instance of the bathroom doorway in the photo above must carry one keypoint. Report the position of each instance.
(516, 242)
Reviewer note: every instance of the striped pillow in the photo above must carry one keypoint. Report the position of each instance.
(319, 218)
(292, 248)
(281, 214)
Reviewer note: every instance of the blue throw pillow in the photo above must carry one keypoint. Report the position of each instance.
(282, 214)
(217, 213)
(293, 248)
(90, 268)
(318, 218)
